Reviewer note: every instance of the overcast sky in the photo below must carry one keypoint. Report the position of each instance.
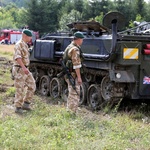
(147, 1)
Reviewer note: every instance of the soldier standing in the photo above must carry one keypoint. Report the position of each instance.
(72, 55)
(22, 76)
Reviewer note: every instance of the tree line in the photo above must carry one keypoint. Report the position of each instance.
(48, 16)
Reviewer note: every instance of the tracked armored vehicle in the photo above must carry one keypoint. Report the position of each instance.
(117, 63)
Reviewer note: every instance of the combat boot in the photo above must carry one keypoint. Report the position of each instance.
(18, 110)
(26, 106)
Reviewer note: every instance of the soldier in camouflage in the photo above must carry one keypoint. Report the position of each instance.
(23, 79)
(73, 53)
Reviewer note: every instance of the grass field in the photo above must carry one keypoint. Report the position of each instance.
(50, 127)
(6, 51)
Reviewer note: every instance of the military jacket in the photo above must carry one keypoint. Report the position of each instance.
(21, 51)
(72, 52)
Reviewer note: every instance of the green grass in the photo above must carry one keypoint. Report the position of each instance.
(5, 76)
(51, 127)
(6, 51)
(8, 55)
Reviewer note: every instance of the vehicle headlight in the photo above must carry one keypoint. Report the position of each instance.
(118, 75)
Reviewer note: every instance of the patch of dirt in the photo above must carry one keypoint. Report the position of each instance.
(4, 87)
(3, 59)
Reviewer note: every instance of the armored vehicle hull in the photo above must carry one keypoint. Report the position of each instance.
(116, 63)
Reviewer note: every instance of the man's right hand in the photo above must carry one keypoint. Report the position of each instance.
(25, 70)
(79, 80)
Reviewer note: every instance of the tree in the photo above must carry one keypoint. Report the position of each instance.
(93, 8)
(78, 5)
(140, 7)
(6, 21)
(147, 14)
(42, 16)
(21, 19)
(99, 18)
(68, 18)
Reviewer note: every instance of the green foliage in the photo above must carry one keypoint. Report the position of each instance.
(18, 3)
(10, 92)
(140, 7)
(99, 18)
(42, 16)
(6, 21)
(139, 18)
(68, 18)
(48, 16)
(52, 127)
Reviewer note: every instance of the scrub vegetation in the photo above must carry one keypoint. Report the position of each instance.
(50, 127)
(48, 16)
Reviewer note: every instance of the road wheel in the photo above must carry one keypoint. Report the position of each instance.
(83, 93)
(44, 85)
(55, 88)
(94, 97)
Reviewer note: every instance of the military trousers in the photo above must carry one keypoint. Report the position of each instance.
(25, 86)
(73, 96)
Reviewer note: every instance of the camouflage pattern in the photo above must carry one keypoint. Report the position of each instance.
(73, 53)
(24, 84)
(21, 51)
(73, 97)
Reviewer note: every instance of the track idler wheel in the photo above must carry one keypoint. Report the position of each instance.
(44, 85)
(94, 97)
(55, 88)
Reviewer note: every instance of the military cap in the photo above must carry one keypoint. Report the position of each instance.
(79, 35)
(27, 32)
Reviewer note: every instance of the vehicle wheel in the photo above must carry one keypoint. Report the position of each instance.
(83, 93)
(107, 88)
(50, 72)
(55, 88)
(34, 73)
(44, 85)
(94, 97)
(88, 77)
(107, 91)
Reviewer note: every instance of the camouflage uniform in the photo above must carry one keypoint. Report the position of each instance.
(22, 80)
(73, 53)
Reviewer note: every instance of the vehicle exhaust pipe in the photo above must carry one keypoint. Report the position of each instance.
(114, 21)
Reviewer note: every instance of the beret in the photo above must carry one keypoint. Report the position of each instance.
(27, 32)
(79, 35)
